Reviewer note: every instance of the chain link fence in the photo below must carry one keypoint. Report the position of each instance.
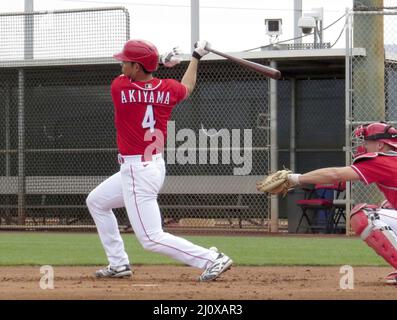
(220, 150)
(58, 137)
(371, 79)
(316, 132)
(63, 35)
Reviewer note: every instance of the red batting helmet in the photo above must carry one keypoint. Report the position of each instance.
(379, 131)
(140, 51)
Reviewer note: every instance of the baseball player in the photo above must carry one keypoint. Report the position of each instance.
(375, 161)
(142, 106)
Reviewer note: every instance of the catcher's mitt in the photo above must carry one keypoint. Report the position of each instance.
(276, 183)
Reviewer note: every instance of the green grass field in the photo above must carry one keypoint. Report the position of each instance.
(42, 248)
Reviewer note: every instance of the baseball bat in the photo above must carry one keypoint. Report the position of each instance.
(266, 71)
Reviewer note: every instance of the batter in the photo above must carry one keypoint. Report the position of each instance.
(142, 106)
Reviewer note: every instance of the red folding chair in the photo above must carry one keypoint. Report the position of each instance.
(320, 199)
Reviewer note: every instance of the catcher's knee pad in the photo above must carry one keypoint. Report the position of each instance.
(378, 235)
(386, 205)
(359, 217)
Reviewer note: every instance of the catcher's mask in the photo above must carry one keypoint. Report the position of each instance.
(376, 131)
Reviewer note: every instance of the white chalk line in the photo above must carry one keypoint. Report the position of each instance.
(145, 285)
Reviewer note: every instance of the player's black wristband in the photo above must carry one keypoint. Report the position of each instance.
(196, 55)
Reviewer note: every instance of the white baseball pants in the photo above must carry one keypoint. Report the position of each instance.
(136, 187)
(388, 218)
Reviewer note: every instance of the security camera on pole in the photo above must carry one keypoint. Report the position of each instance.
(313, 20)
(273, 29)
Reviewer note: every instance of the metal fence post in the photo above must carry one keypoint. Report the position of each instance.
(7, 146)
(348, 92)
(273, 148)
(21, 146)
(127, 24)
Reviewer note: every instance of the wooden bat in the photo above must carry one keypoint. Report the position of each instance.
(266, 71)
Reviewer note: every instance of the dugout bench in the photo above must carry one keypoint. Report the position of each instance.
(43, 187)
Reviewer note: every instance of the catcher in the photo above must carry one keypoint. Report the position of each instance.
(375, 161)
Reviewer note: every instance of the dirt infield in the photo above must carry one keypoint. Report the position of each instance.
(179, 283)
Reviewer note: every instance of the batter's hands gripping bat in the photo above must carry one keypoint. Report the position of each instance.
(266, 71)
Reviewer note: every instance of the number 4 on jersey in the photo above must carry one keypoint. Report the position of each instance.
(148, 119)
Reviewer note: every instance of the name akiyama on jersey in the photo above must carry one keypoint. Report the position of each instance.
(142, 108)
(142, 96)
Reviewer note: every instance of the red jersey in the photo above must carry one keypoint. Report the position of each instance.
(379, 168)
(141, 110)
